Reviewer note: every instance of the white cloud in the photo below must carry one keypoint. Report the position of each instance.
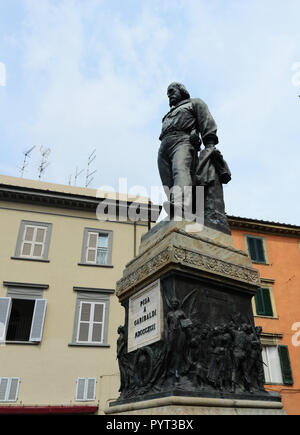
(96, 74)
(111, 111)
(249, 58)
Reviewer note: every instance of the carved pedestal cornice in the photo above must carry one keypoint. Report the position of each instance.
(176, 255)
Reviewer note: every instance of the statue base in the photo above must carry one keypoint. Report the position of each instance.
(186, 405)
(189, 329)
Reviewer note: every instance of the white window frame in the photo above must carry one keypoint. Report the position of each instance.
(270, 378)
(34, 242)
(32, 339)
(91, 322)
(97, 232)
(86, 382)
(88, 248)
(264, 245)
(8, 389)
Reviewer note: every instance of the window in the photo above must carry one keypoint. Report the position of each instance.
(256, 249)
(19, 325)
(9, 389)
(22, 314)
(86, 389)
(263, 302)
(277, 366)
(91, 317)
(33, 241)
(91, 322)
(97, 247)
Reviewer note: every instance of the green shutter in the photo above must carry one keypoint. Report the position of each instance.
(268, 309)
(259, 303)
(260, 250)
(285, 363)
(251, 248)
(263, 303)
(256, 249)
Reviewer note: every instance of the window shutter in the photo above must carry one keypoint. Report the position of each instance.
(40, 235)
(39, 241)
(27, 241)
(263, 302)
(259, 303)
(9, 388)
(91, 389)
(3, 388)
(285, 365)
(86, 389)
(84, 322)
(256, 249)
(98, 321)
(80, 389)
(38, 319)
(260, 250)
(251, 247)
(14, 389)
(33, 242)
(268, 309)
(91, 252)
(5, 306)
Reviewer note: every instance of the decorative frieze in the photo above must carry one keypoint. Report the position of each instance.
(135, 274)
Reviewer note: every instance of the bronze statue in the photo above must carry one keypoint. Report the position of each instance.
(241, 354)
(181, 166)
(178, 338)
(122, 359)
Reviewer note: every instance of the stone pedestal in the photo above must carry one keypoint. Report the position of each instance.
(189, 330)
(177, 406)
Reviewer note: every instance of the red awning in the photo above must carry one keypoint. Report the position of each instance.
(48, 410)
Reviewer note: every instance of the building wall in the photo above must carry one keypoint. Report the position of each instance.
(283, 266)
(49, 370)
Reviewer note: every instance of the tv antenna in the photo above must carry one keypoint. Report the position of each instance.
(89, 175)
(25, 163)
(77, 174)
(45, 152)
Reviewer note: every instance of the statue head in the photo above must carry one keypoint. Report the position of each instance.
(175, 303)
(177, 92)
(246, 328)
(258, 330)
(120, 329)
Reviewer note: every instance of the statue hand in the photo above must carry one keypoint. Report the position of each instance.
(195, 139)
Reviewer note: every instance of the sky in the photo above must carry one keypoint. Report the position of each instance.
(84, 75)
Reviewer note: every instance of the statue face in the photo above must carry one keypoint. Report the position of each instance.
(174, 95)
(175, 303)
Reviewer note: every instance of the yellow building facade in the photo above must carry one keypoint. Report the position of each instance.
(58, 312)
(59, 315)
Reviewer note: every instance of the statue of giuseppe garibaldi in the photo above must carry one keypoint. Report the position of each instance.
(181, 162)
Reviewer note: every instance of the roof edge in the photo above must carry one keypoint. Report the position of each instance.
(262, 226)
